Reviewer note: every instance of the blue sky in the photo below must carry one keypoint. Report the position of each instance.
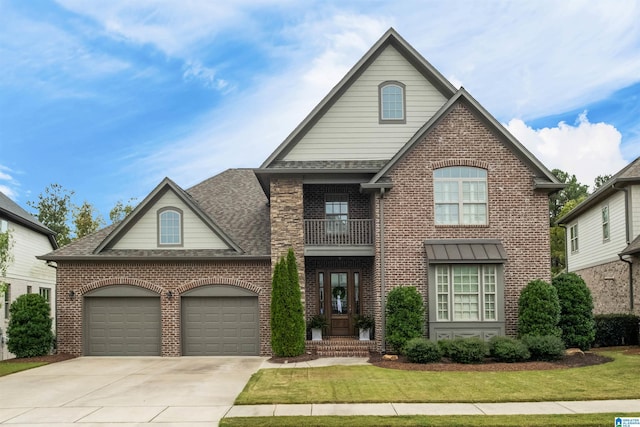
(108, 98)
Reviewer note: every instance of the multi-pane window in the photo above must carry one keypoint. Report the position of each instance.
(336, 212)
(46, 294)
(460, 194)
(392, 102)
(466, 292)
(605, 223)
(573, 237)
(170, 227)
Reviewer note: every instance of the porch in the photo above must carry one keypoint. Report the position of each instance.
(340, 346)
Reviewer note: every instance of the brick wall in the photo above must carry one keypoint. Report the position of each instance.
(518, 215)
(609, 285)
(314, 198)
(178, 277)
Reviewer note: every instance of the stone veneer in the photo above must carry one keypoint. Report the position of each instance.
(609, 285)
(160, 277)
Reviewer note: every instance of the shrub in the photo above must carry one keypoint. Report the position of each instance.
(421, 350)
(616, 329)
(467, 350)
(505, 349)
(405, 316)
(445, 347)
(287, 316)
(576, 311)
(544, 347)
(29, 328)
(538, 310)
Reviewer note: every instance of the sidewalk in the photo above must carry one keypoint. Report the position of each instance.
(391, 409)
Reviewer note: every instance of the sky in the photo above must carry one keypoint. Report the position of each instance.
(108, 98)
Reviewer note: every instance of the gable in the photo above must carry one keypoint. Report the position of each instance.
(350, 128)
(143, 234)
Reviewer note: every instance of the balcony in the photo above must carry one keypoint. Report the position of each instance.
(352, 237)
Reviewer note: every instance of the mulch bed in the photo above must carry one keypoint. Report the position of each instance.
(50, 358)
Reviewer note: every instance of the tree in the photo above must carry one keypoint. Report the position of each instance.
(287, 314)
(121, 210)
(6, 257)
(601, 180)
(405, 316)
(576, 311)
(558, 240)
(54, 208)
(573, 191)
(538, 310)
(29, 328)
(86, 220)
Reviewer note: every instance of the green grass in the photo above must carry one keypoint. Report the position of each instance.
(582, 420)
(7, 368)
(370, 384)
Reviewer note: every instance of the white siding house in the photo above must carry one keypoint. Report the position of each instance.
(603, 242)
(25, 273)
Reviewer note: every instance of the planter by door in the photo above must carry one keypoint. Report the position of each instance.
(365, 334)
(316, 334)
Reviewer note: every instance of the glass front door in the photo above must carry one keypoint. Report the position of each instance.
(341, 301)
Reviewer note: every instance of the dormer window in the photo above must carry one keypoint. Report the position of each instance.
(170, 227)
(392, 102)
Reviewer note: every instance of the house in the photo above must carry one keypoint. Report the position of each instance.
(25, 274)
(603, 242)
(396, 178)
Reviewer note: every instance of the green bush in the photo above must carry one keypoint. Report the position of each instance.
(506, 349)
(576, 311)
(467, 350)
(288, 330)
(405, 316)
(421, 350)
(29, 328)
(616, 329)
(544, 347)
(445, 347)
(539, 310)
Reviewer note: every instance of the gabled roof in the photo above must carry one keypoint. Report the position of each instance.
(12, 211)
(391, 37)
(628, 175)
(544, 178)
(633, 248)
(232, 204)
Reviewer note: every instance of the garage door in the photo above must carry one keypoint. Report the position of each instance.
(122, 325)
(220, 321)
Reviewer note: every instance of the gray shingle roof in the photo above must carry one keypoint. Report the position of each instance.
(633, 248)
(233, 200)
(12, 211)
(354, 165)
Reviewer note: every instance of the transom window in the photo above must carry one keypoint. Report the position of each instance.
(170, 226)
(460, 195)
(573, 237)
(605, 222)
(336, 212)
(392, 102)
(466, 292)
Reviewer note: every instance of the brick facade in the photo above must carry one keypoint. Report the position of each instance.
(160, 277)
(609, 285)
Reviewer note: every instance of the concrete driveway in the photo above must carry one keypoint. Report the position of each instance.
(126, 391)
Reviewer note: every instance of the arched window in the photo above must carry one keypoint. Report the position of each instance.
(460, 195)
(169, 227)
(392, 102)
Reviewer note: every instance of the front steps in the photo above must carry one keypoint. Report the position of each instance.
(340, 347)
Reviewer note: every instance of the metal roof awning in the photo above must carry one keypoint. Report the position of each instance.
(465, 251)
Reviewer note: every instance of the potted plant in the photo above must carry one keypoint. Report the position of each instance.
(364, 325)
(317, 323)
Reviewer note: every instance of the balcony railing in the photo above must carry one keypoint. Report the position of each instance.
(329, 232)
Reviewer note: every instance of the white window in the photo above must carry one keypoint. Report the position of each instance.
(336, 212)
(46, 294)
(392, 102)
(460, 195)
(605, 223)
(170, 227)
(4, 226)
(466, 292)
(573, 237)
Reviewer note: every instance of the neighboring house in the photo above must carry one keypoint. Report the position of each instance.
(603, 242)
(25, 273)
(396, 178)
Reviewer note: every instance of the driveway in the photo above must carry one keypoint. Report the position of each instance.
(126, 391)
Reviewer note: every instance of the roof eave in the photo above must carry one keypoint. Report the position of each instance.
(70, 258)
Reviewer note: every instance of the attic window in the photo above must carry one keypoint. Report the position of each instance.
(392, 102)
(170, 227)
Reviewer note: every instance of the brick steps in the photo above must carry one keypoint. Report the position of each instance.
(340, 347)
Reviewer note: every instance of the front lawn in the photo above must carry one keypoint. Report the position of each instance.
(370, 384)
(7, 367)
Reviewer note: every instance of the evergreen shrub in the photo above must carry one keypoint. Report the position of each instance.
(506, 349)
(405, 316)
(544, 347)
(539, 310)
(616, 329)
(29, 330)
(576, 311)
(467, 350)
(421, 350)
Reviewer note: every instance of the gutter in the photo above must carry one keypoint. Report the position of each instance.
(383, 303)
(154, 258)
(630, 281)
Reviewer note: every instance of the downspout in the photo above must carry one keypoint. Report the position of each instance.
(383, 302)
(627, 218)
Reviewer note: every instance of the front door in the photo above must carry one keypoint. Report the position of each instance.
(343, 291)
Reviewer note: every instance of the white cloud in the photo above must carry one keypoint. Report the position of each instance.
(585, 149)
(7, 191)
